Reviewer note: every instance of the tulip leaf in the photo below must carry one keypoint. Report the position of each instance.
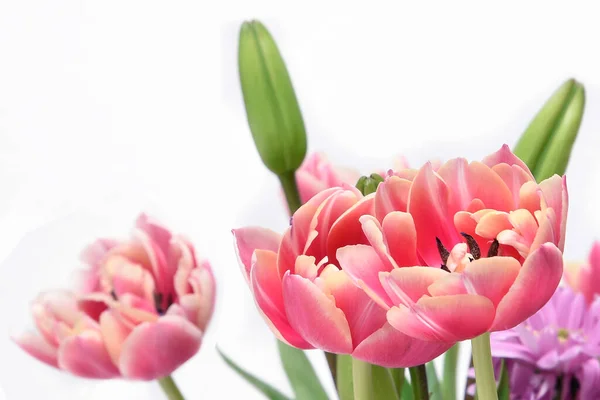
(269, 391)
(345, 383)
(449, 375)
(272, 108)
(301, 374)
(407, 391)
(504, 384)
(435, 389)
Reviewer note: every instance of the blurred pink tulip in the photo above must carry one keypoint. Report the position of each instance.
(583, 277)
(307, 300)
(141, 312)
(497, 235)
(317, 173)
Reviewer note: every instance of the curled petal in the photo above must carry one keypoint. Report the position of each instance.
(506, 156)
(347, 230)
(155, 350)
(555, 193)
(392, 195)
(391, 348)
(407, 285)
(401, 238)
(315, 316)
(37, 347)
(540, 274)
(251, 238)
(444, 318)
(114, 331)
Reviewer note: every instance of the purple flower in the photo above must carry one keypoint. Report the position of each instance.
(554, 353)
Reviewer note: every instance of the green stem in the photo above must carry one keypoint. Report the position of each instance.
(288, 183)
(170, 388)
(418, 380)
(449, 378)
(332, 364)
(484, 370)
(362, 378)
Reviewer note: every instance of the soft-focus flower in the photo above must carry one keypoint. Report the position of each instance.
(554, 353)
(583, 277)
(307, 300)
(317, 173)
(483, 242)
(141, 311)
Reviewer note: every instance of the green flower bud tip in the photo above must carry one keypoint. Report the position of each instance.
(546, 144)
(368, 184)
(272, 109)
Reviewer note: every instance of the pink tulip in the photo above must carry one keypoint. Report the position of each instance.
(141, 313)
(317, 173)
(471, 248)
(583, 277)
(307, 300)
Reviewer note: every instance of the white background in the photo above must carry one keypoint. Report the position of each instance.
(108, 108)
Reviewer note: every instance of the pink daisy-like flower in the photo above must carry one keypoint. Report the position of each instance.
(554, 353)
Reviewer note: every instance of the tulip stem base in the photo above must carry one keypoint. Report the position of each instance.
(362, 378)
(418, 380)
(170, 388)
(290, 188)
(484, 370)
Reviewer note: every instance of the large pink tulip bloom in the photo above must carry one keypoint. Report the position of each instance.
(307, 300)
(583, 277)
(471, 248)
(144, 307)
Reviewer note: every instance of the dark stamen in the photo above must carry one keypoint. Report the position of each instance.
(158, 299)
(574, 387)
(442, 250)
(114, 295)
(291, 220)
(493, 251)
(445, 268)
(473, 246)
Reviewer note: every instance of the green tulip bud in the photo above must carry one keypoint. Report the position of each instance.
(272, 109)
(546, 144)
(368, 184)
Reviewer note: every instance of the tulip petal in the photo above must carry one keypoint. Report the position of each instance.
(391, 348)
(401, 238)
(407, 285)
(364, 316)
(428, 205)
(444, 318)
(114, 332)
(347, 229)
(86, 356)
(155, 350)
(506, 156)
(555, 193)
(251, 238)
(491, 277)
(37, 347)
(267, 290)
(315, 316)
(363, 265)
(534, 286)
(392, 195)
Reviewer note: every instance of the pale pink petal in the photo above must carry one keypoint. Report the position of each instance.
(309, 185)
(374, 234)
(94, 304)
(391, 348)
(268, 294)
(203, 284)
(37, 347)
(506, 156)
(545, 232)
(85, 355)
(155, 350)
(392, 195)
(492, 223)
(491, 277)
(132, 278)
(408, 285)
(363, 315)
(428, 205)
(537, 280)
(251, 238)
(529, 197)
(315, 316)
(514, 177)
(524, 223)
(444, 318)
(363, 265)
(114, 332)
